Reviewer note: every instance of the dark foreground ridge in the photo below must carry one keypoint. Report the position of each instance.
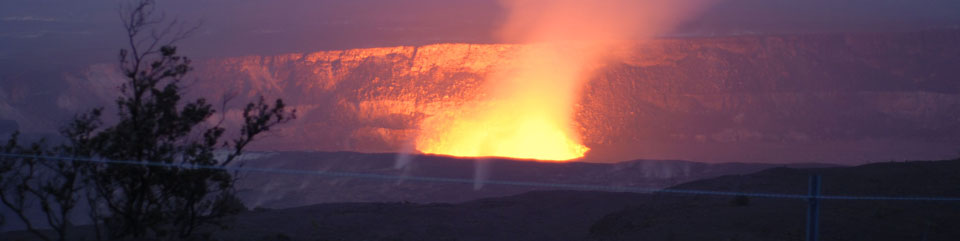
(282, 190)
(666, 217)
(579, 215)
(572, 215)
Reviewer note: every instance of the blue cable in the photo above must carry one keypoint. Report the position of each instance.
(495, 182)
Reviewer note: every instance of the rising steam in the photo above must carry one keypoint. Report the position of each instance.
(528, 111)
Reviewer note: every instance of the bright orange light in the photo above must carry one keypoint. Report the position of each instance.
(506, 131)
(527, 111)
(525, 137)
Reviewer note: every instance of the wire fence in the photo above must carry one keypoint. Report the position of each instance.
(585, 187)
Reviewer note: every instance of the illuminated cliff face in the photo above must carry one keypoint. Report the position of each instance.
(747, 98)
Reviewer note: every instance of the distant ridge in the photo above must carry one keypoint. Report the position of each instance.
(272, 190)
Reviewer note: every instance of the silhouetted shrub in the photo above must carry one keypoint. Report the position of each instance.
(153, 173)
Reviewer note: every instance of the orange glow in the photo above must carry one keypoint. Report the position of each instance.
(527, 109)
(527, 137)
(527, 114)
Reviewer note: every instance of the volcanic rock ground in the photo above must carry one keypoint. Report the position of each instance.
(581, 215)
(571, 215)
(285, 190)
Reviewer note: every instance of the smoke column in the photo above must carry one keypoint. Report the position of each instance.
(529, 109)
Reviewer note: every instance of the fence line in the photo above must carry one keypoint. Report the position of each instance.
(588, 187)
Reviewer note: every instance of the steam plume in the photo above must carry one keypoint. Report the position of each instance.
(529, 110)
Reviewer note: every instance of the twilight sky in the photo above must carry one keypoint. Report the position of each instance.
(38, 28)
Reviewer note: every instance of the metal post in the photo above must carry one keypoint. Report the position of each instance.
(813, 209)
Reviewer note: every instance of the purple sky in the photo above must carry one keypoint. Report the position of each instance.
(33, 29)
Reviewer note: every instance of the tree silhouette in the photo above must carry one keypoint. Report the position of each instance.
(162, 185)
(31, 180)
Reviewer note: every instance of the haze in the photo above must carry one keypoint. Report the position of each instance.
(242, 27)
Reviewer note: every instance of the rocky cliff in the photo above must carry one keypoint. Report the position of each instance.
(817, 97)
